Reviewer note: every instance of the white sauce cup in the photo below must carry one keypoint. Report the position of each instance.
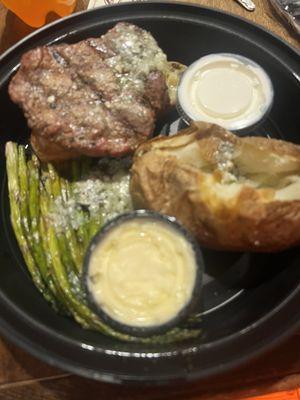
(226, 89)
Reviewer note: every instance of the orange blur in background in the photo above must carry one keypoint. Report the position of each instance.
(34, 12)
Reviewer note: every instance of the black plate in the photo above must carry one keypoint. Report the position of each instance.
(249, 302)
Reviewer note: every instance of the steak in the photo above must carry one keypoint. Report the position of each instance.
(97, 97)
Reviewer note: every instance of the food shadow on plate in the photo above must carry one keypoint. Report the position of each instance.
(228, 275)
(172, 124)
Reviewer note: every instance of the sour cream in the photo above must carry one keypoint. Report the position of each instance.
(227, 89)
(142, 273)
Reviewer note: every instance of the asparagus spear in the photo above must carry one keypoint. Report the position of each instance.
(75, 176)
(17, 173)
(80, 311)
(61, 261)
(52, 246)
(90, 224)
(57, 189)
(75, 246)
(70, 251)
(34, 216)
(43, 229)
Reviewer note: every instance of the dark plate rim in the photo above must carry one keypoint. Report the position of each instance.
(42, 353)
(183, 3)
(29, 345)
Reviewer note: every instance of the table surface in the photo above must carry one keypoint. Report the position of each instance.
(22, 377)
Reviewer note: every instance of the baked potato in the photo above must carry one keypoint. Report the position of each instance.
(233, 193)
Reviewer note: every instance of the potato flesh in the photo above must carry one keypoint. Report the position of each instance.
(291, 191)
(248, 165)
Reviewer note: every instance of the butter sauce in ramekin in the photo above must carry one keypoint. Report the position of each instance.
(227, 89)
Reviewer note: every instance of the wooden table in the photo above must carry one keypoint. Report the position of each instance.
(22, 377)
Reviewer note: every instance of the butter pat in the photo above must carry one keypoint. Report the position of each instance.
(229, 90)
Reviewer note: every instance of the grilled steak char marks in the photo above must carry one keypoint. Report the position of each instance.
(98, 97)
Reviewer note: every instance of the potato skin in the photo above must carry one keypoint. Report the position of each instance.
(250, 221)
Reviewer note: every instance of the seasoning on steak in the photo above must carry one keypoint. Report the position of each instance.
(98, 97)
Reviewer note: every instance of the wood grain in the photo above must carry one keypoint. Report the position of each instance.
(16, 365)
(262, 376)
(22, 377)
